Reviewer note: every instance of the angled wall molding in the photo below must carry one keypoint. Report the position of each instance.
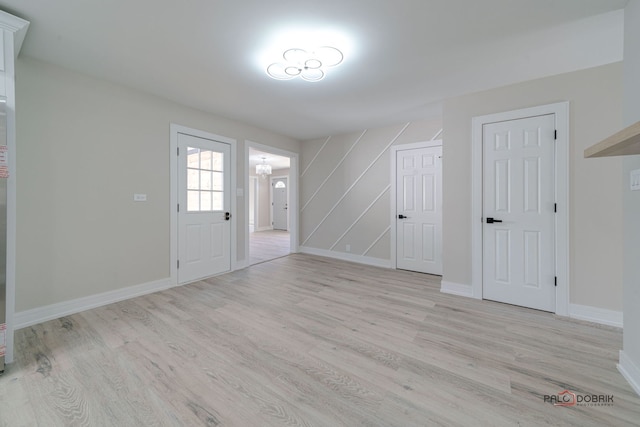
(322, 184)
(360, 217)
(314, 157)
(357, 180)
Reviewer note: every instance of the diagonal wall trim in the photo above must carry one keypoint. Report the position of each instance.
(437, 135)
(360, 217)
(333, 171)
(377, 240)
(314, 157)
(395, 138)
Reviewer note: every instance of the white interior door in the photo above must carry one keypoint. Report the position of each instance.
(518, 212)
(204, 197)
(419, 209)
(279, 189)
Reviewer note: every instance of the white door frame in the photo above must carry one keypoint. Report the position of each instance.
(271, 188)
(561, 111)
(174, 130)
(253, 182)
(293, 193)
(394, 202)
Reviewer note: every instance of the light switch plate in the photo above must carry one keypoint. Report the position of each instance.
(635, 180)
(139, 197)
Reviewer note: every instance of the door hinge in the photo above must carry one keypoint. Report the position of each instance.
(178, 151)
(178, 207)
(178, 264)
(555, 134)
(555, 207)
(555, 281)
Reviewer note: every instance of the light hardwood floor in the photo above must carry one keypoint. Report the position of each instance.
(309, 341)
(268, 245)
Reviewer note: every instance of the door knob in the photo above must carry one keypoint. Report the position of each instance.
(491, 220)
(227, 216)
(402, 217)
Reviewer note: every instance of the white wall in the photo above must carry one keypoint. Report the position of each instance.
(84, 147)
(341, 178)
(595, 207)
(631, 200)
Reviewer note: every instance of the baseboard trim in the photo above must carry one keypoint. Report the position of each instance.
(34, 316)
(459, 289)
(630, 371)
(596, 315)
(360, 259)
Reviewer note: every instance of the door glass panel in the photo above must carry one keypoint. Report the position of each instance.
(280, 184)
(217, 160)
(205, 201)
(218, 181)
(205, 180)
(193, 201)
(193, 179)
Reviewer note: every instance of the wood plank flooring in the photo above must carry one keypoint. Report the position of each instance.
(309, 341)
(268, 245)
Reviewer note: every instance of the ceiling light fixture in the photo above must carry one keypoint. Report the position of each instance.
(310, 66)
(262, 170)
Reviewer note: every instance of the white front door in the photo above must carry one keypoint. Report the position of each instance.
(518, 212)
(280, 205)
(204, 197)
(419, 209)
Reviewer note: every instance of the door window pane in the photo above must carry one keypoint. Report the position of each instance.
(205, 180)
(193, 179)
(205, 201)
(193, 201)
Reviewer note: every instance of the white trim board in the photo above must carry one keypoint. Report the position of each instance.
(456, 289)
(561, 111)
(174, 130)
(360, 259)
(294, 211)
(596, 315)
(630, 371)
(34, 316)
(393, 153)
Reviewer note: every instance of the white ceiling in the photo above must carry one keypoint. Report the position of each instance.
(276, 162)
(402, 57)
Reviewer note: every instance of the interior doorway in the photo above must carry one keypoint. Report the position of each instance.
(272, 179)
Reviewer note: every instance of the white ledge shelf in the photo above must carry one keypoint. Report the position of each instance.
(624, 143)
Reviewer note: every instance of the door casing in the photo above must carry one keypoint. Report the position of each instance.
(561, 112)
(174, 130)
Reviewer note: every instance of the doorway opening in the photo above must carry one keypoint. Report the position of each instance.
(271, 200)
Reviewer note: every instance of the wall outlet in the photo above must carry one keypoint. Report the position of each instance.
(348, 248)
(139, 197)
(635, 180)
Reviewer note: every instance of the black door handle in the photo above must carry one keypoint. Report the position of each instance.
(491, 220)
(227, 216)
(402, 217)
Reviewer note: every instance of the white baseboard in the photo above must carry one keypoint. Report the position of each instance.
(630, 371)
(34, 316)
(360, 259)
(596, 315)
(456, 289)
